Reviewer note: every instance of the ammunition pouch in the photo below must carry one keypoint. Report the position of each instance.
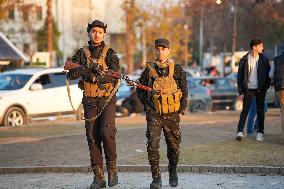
(167, 103)
(97, 90)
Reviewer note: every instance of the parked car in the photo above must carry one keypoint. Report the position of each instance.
(36, 92)
(232, 76)
(199, 97)
(223, 92)
(189, 72)
(270, 98)
(124, 90)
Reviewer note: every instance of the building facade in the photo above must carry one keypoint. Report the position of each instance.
(24, 19)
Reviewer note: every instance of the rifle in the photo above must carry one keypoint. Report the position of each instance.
(70, 65)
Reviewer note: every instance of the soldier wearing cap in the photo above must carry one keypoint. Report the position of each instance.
(163, 107)
(98, 89)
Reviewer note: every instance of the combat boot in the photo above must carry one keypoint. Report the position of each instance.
(173, 179)
(112, 173)
(156, 175)
(99, 178)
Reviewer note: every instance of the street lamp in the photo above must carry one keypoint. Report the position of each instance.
(201, 38)
(186, 45)
(234, 34)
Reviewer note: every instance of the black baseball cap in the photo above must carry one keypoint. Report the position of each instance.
(96, 23)
(162, 42)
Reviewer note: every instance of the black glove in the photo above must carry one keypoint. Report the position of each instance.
(95, 67)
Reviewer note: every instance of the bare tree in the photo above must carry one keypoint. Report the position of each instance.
(130, 10)
(49, 29)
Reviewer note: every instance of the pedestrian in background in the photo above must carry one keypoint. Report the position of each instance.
(252, 122)
(253, 80)
(277, 73)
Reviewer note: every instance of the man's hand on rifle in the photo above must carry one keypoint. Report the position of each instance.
(97, 68)
(69, 65)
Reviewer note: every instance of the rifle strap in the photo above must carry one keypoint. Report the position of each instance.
(68, 92)
(106, 102)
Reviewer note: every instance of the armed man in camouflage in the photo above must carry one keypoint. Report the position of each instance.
(98, 99)
(162, 109)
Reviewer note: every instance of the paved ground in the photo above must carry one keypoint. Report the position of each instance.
(141, 181)
(71, 150)
(131, 141)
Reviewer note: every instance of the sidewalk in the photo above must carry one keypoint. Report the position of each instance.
(141, 180)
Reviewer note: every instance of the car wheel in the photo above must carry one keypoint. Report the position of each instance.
(238, 106)
(198, 107)
(15, 116)
(80, 112)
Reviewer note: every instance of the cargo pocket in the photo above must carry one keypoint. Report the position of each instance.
(109, 131)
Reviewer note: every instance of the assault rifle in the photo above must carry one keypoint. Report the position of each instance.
(70, 65)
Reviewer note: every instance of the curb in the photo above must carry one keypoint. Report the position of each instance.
(220, 169)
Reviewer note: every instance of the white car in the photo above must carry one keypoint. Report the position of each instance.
(36, 92)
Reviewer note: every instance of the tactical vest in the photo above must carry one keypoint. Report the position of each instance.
(95, 89)
(168, 100)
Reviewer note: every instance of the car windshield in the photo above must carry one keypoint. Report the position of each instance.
(13, 81)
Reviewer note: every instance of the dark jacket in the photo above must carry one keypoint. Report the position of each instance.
(278, 76)
(180, 78)
(263, 69)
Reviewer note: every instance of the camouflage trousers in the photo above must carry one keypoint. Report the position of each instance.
(101, 132)
(169, 123)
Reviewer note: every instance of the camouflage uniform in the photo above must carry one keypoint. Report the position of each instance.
(168, 122)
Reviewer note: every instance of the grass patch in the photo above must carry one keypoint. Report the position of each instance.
(231, 152)
(41, 131)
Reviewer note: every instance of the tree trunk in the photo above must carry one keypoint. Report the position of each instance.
(130, 46)
(49, 30)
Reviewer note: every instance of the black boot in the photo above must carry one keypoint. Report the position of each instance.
(156, 175)
(112, 173)
(173, 179)
(99, 178)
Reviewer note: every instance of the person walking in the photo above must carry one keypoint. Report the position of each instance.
(163, 107)
(253, 80)
(278, 81)
(99, 101)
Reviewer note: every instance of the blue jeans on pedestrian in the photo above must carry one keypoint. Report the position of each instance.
(252, 123)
